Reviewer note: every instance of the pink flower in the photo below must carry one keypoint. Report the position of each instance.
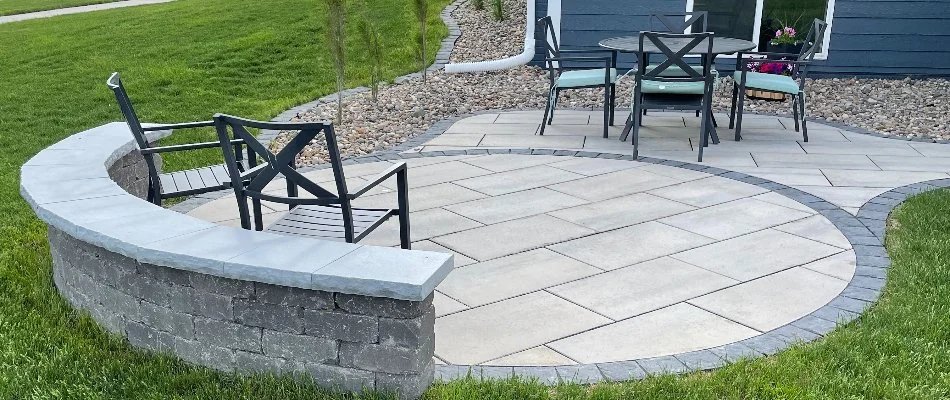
(778, 33)
(790, 31)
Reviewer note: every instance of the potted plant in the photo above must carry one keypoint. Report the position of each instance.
(766, 67)
(786, 41)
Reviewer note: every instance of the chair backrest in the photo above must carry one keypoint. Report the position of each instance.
(552, 48)
(813, 41)
(674, 47)
(131, 118)
(283, 163)
(691, 21)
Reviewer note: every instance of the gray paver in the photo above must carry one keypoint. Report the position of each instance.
(600, 250)
(484, 333)
(772, 301)
(511, 276)
(641, 288)
(517, 180)
(734, 218)
(695, 329)
(511, 237)
(621, 211)
(515, 205)
(745, 257)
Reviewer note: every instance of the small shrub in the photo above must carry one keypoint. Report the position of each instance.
(498, 10)
(478, 4)
(421, 9)
(372, 42)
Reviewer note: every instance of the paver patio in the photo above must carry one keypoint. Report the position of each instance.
(566, 260)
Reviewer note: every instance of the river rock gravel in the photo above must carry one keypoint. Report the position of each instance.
(908, 108)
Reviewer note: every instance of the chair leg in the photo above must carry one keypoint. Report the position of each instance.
(613, 103)
(703, 135)
(801, 100)
(402, 184)
(739, 110)
(258, 215)
(553, 105)
(732, 110)
(627, 127)
(795, 111)
(547, 111)
(607, 117)
(697, 113)
(636, 132)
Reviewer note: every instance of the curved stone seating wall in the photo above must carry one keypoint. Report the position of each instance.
(352, 317)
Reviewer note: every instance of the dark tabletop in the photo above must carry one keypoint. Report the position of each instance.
(721, 45)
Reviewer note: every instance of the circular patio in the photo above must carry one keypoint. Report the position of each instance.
(571, 260)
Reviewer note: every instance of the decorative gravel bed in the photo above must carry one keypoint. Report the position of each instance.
(899, 107)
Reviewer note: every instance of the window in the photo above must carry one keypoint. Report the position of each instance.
(757, 20)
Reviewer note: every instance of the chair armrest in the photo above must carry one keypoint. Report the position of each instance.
(379, 179)
(189, 146)
(183, 125)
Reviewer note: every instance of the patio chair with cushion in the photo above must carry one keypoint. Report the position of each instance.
(174, 184)
(684, 22)
(579, 75)
(321, 213)
(657, 89)
(793, 85)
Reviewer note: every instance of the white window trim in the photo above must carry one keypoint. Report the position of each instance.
(759, 5)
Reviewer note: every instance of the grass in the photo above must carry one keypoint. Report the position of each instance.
(796, 13)
(181, 61)
(186, 59)
(11, 7)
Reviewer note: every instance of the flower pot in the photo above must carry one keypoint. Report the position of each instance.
(761, 95)
(786, 48)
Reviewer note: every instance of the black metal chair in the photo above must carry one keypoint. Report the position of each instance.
(684, 22)
(692, 89)
(793, 85)
(173, 184)
(564, 77)
(328, 214)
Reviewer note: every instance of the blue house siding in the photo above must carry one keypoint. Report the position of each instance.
(869, 37)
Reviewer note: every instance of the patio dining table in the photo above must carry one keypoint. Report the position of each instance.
(721, 45)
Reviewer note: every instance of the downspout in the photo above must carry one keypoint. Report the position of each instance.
(529, 50)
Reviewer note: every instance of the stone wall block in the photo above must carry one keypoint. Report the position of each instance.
(340, 325)
(300, 347)
(191, 301)
(167, 275)
(341, 379)
(167, 320)
(412, 332)
(382, 358)
(144, 336)
(222, 286)
(195, 352)
(143, 287)
(293, 297)
(259, 363)
(269, 316)
(381, 306)
(406, 386)
(228, 334)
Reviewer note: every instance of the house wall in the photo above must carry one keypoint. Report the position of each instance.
(869, 37)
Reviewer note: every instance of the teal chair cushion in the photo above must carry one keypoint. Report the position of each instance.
(770, 82)
(585, 77)
(672, 87)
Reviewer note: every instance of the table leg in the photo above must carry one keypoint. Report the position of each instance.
(627, 127)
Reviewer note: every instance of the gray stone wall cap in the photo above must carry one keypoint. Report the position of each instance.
(69, 188)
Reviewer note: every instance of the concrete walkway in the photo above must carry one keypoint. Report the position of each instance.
(77, 10)
(845, 168)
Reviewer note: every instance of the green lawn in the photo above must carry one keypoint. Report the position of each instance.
(187, 59)
(10, 7)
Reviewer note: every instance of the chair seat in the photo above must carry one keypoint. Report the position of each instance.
(194, 181)
(648, 86)
(326, 222)
(770, 82)
(585, 77)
